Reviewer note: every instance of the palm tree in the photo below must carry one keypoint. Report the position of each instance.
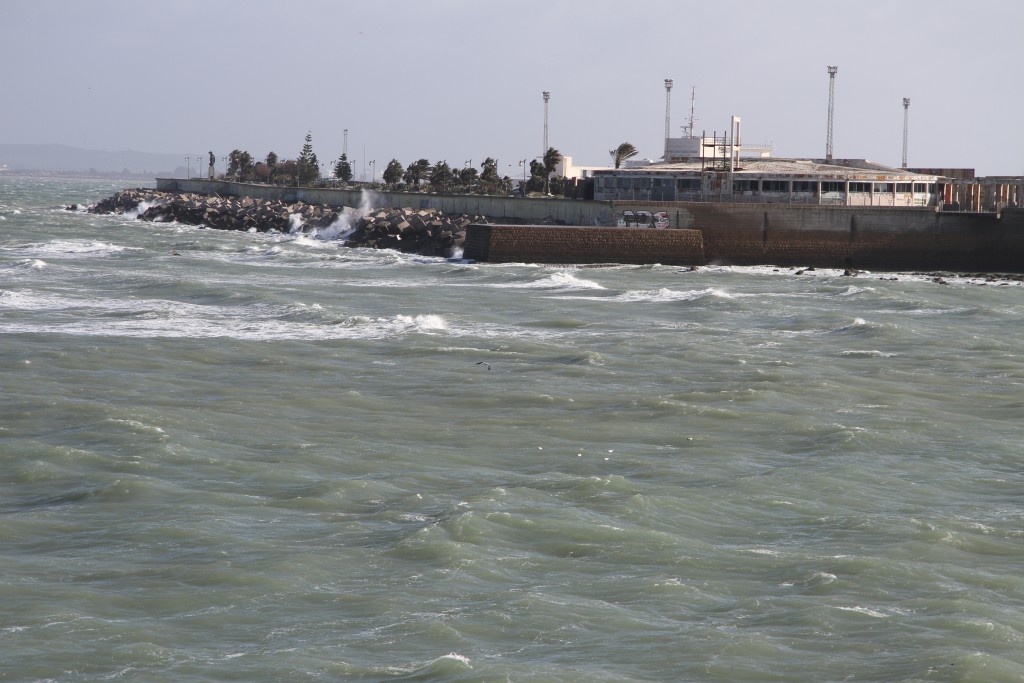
(552, 158)
(624, 151)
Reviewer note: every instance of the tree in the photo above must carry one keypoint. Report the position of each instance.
(271, 166)
(441, 177)
(552, 158)
(416, 171)
(342, 168)
(624, 151)
(538, 178)
(287, 171)
(309, 167)
(468, 177)
(489, 175)
(393, 172)
(240, 166)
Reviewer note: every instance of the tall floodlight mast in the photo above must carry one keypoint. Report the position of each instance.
(344, 146)
(547, 96)
(831, 106)
(906, 113)
(668, 108)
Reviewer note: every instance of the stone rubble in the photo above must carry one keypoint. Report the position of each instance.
(427, 232)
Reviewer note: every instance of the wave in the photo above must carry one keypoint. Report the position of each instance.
(561, 280)
(67, 248)
(175, 319)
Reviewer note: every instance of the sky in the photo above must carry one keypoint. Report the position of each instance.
(461, 80)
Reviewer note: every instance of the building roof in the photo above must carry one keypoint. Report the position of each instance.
(839, 169)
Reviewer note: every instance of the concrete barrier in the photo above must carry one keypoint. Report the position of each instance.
(871, 238)
(535, 210)
(564, 244)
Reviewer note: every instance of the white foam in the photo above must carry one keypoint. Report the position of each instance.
(866, 611)
(561, 280)
(66, 249)
(160, 318)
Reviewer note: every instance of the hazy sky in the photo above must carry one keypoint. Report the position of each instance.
(461, 80)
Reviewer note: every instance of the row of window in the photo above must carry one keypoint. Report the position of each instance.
(755, 185)
(832, 186)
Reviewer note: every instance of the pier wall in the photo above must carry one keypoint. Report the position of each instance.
(869, 238)
(881, 238)
(574, 244)
(567, 211)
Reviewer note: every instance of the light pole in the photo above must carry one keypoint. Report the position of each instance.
(522, 162)
(188, 168)
(225, 160)
(373, 171)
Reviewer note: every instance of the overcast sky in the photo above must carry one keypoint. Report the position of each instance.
(460, 80)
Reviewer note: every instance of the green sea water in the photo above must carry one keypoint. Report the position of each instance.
(265, 457)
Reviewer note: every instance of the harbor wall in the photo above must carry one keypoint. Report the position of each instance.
(575, 244)
(869, 238)
(535, 210)
(880, 238)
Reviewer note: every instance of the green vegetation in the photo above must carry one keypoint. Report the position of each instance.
(624, 151)
(418, 176)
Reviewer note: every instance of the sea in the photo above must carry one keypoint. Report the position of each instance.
(233, 456)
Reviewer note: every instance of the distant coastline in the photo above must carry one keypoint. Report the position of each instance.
(36, 159)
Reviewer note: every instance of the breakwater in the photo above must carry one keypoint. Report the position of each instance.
(870, 238)
(575, 244)
(860, 238)
(427, 232)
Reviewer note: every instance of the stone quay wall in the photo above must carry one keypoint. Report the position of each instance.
(878, 238)
(525, 209)
(871, 238)
(574, 244)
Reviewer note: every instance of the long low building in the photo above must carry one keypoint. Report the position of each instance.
(839, 182)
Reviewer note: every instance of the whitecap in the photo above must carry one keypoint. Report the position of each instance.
(871, 353)
(561, 280)
(866, 611)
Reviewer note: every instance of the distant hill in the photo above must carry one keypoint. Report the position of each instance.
(76, 160)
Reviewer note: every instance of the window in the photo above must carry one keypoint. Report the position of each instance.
(775, 186)
(883, 188)
(688, 184)
(744, 186)
(804, 186)
(903, 187)
(860, 187)
(833, 187)
(924, 188)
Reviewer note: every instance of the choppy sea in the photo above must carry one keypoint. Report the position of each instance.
(266, 457)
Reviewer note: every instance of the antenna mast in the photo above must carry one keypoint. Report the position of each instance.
(906, 113)
(831, 106)
(689, 127)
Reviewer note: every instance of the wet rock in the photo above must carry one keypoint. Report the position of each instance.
(427, 232)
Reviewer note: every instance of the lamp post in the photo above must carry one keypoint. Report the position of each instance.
(522, 163)
(373, 171)
(225, 160)
(188, 168)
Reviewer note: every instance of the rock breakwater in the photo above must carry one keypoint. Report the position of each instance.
(427, 232)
